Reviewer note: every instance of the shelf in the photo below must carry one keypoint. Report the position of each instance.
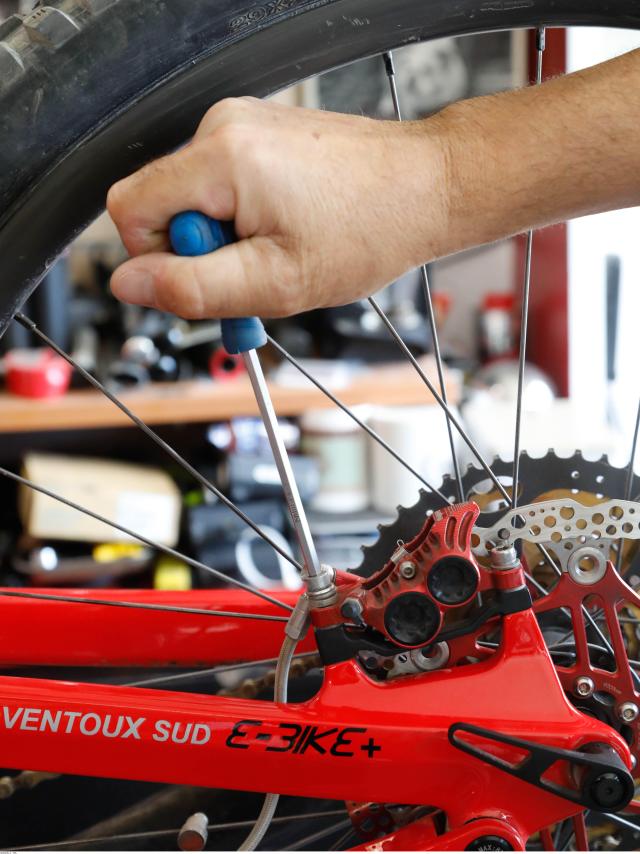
(204, 400)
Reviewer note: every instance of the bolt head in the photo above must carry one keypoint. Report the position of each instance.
(504, 557)
(628, 712)
(584, 686)
(351, 609)
(407, 569)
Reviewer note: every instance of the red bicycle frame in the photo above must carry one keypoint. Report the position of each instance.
(357, 739)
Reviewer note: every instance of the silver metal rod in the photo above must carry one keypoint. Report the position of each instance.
(426, 289)
(289, 486)
(628, 486)
(208, 672)
(158, 834)
(438, 398)
(524, 313)
(141, 606)
(375, 436)
(202, 480)
(134, 535)
(623, 822)
(318, 835)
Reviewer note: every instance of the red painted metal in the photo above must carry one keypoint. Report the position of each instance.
(580, 831)
(358, 739)
(547, 840)
(609, 594)
(41, 632)
(445, 534)
(380, 742)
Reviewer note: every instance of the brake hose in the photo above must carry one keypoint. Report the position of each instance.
(296, 629)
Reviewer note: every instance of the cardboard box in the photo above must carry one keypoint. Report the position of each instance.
(144, 499)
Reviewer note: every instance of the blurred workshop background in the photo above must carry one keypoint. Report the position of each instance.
(177, 377)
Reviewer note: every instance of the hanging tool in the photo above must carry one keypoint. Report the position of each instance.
(192, 233)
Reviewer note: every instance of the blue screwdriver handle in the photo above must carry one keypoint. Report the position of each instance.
(192, 233)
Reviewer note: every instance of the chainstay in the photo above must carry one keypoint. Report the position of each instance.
(249, 689)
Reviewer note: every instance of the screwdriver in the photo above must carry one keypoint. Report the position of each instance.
(193, 233)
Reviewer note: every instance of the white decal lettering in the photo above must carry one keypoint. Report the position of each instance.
(71, 719)
(116, 731)
(161, 731)
(204, 730)
(86, 727)
(10, 722)
(49, 720)
(30, 719)
(175, 733)
(133, 727)
(108, 725)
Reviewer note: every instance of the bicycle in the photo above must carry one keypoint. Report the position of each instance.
(417, 707)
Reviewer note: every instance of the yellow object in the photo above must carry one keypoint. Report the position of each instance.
(108, 552)
(171, 574)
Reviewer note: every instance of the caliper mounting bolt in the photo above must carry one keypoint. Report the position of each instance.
(407, 569)
(584, 686)
(628, 712)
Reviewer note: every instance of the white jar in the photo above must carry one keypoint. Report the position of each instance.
(340, 447)
(419, 435)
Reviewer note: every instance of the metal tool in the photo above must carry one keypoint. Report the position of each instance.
(192, 233)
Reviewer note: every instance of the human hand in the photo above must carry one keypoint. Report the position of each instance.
(328, 208)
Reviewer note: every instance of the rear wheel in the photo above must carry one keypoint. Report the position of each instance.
(119, 82)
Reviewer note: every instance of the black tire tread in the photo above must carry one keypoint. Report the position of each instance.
(24, 38)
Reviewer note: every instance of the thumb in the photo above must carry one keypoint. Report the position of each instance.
(250, 277)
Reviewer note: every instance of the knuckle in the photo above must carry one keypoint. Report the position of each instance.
(229, 139)
(225, 110)
(116, 200)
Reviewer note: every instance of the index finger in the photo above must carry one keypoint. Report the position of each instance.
(194, 178)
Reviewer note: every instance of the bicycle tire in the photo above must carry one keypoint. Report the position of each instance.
(66, 136)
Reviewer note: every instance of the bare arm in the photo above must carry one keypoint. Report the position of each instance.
(542, 155)
(329, 208)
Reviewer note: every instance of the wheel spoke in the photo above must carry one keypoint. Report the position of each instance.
(318, 835)
(339, 844)
(141, 606)
(628, 486)
(375, 436)
(524, 316)
(207, 672)
(438, 398)
(623, 822)
(151, 543)
(426, 289)
(159, 834)
(202, 480)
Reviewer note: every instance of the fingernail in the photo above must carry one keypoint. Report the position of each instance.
(133, 286)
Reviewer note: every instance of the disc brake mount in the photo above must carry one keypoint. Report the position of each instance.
(426, 594)
(602, 782)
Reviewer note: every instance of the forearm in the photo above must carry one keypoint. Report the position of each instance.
(535, 156)
(330, 208)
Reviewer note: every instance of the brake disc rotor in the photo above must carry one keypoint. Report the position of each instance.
(589, 481)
